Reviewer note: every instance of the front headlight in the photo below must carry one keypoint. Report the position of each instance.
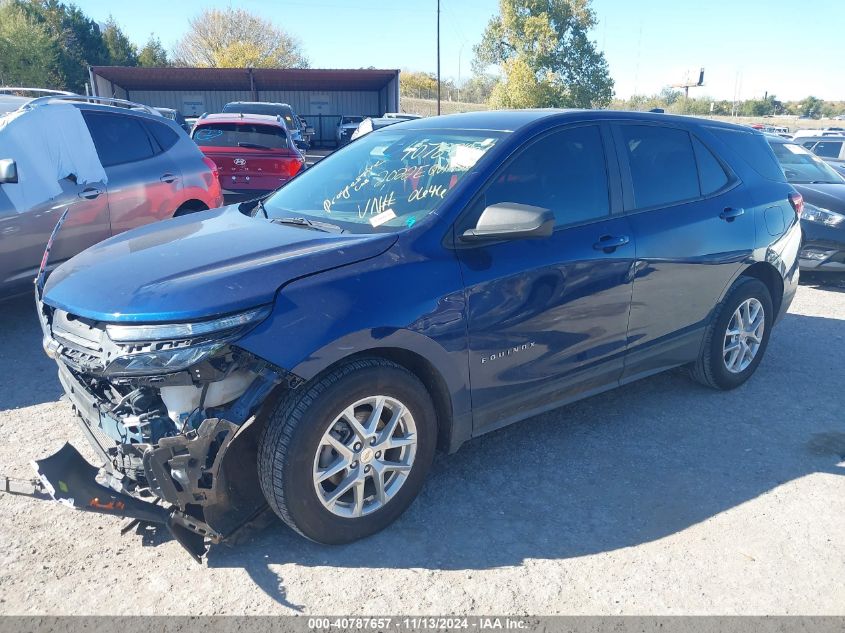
(180, 331)
(812, 213)
(172, 347)
(161, 362)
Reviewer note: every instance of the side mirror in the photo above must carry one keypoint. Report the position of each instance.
(8, 171)
(510, 220)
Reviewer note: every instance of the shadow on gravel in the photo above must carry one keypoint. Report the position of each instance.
(28, 376)
(631, 466)
(834, 282)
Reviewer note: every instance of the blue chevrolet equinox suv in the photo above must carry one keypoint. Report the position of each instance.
(428, 283)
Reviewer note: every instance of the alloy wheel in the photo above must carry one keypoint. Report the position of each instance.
(365, 456)
(744, 335)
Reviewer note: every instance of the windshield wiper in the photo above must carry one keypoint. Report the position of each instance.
(253, 146)
(311, 224)
(259, 208)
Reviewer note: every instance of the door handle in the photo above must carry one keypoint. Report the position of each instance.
(729, 214)
(169, 178)
(90, 193)
(609, 243)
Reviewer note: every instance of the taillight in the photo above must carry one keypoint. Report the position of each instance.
(291, 166)
(214, 176)
(797, 202)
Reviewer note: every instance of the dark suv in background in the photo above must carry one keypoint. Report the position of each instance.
(149, 170)
(430, 282)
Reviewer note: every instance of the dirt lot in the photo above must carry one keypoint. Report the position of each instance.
(659, 498)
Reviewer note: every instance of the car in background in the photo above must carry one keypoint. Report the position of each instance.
(823, 215)
(830, 148)
(424, 285)
(818, 133)
(401, 115)
(346, 127)
(298, 130)
(175, 115)
(254, 153)
(112, 168)
(370, 124)
(14, 97)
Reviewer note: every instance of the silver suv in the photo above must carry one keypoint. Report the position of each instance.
(149, 170)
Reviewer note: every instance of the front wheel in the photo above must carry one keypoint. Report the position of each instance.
(737, 337)
(343, 458)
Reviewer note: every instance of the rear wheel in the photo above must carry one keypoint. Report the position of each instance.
(344, 457)
(737, 337)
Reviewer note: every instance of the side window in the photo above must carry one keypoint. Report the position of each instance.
(828, 149)
(118, 139)
(564, 171)
(164, 136)
(662, 161)
(711, 174)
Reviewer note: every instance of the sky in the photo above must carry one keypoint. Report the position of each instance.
(747, 47)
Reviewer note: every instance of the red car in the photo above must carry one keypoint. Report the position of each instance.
(254, 153)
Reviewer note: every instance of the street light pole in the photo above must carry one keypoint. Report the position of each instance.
(438, 57)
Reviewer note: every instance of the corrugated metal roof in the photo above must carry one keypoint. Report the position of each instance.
(181, 78)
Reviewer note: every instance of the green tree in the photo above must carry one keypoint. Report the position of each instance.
(27, 51)
(545, 55)
(811, 107)
(122, 52)
(78, 39)
(153, 53)
(479, 88)
(227, 38)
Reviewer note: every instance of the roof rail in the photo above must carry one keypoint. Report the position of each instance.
(85, 98)
(38, 90)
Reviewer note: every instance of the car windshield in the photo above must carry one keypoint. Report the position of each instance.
(250, 135)
(384, 181)
(348, 120)
(802, 167)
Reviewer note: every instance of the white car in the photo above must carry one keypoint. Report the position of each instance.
(345, 127)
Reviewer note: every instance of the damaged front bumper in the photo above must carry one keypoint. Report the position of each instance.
(178, 449)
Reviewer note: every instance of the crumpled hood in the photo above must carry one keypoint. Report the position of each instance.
(198, 266)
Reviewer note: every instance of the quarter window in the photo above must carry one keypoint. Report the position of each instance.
(564, 171)
(118, 139)
(164, 136)
(662, 162)
(711, 174)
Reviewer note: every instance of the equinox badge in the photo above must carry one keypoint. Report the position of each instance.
(508, 352)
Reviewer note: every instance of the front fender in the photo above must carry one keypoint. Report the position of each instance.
(396, 301)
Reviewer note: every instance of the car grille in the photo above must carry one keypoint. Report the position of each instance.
(81, 341)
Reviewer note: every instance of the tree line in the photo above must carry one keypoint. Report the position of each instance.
(51, 44)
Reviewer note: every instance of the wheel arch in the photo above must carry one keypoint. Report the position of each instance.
(190, 206)
(769, 275)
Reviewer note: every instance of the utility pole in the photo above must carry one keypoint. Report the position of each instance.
(438, 57)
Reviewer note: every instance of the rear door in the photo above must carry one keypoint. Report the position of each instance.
(144, 183)
(693, 235)
(548, 317)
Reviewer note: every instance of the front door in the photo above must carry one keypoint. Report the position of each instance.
(548, 316)
(24, 234)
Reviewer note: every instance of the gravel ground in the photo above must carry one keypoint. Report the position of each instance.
(661, 497)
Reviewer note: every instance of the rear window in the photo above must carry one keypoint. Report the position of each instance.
(250, 135)
(753, 149)
(828, 149)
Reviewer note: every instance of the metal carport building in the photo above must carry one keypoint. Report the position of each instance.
(318, 95)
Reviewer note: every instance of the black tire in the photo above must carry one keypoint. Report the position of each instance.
(292, 435)
(710, 369)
